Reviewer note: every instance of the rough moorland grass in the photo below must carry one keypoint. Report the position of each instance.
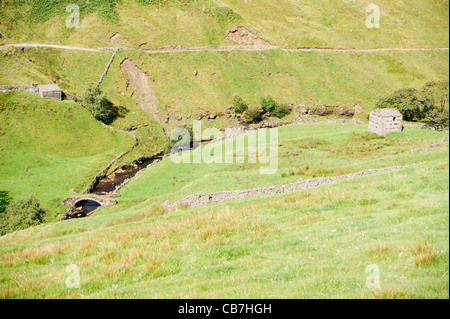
(48, 147)
(286, 23)
(310, 244)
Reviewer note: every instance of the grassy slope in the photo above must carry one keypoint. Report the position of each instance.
(282, 246)
(328, 149)
(311, 78)
(45, 65)
(49, 147)
(287, 23)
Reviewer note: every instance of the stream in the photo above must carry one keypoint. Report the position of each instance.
(113, 182)
(110, 184)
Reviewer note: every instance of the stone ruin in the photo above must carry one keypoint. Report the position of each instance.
(385, 121)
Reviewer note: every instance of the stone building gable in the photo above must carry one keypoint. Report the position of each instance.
(385, 121)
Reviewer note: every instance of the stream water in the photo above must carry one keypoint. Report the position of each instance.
(113, 182)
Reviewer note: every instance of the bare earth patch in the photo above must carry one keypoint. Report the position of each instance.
(243, 36)
(114, 36)
(140, 83)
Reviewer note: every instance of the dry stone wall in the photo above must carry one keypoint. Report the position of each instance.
(7, 88)
(214, 198)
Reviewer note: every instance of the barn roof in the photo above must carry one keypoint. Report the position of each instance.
(388, 112)
(49, 88)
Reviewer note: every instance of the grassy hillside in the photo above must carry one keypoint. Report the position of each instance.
(49, 147)
(74, 71)
(311, 78)
(305, 151)
(313, 243)
(286, 23)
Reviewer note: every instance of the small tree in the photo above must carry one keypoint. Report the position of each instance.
(268, 104)
(21, 213)
(98, 104)
(409, 102)
(436, 95)
(437, 118)
(183, 136)
(282, 110)
(239, 105)
(253, 115)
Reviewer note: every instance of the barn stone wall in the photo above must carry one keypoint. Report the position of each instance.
(51, 95)
(381, 124)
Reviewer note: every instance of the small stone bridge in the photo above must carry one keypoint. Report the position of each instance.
(77, 203)
(74, 200)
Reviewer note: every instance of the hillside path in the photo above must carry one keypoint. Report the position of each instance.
(212, 49)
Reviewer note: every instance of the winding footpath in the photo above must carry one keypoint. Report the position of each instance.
(212, 49)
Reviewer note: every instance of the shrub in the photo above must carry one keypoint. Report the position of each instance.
(253, 115)
(21, 213)
(437, 118)
(223, 15)
(179, 136)
(100, 107)
(239, 105)
(268, 104)
(226, 15)
(430, 105)
(282, 110)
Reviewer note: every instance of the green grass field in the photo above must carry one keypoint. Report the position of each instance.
(49, 147)
(305, 151)
(310, 78)
(286, 23)
(314, 243)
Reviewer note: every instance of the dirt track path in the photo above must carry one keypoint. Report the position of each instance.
(219, 48)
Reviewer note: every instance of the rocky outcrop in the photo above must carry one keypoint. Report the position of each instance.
(326, 110)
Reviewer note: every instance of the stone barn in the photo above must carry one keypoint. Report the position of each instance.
(385, 121)
(50, 91)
